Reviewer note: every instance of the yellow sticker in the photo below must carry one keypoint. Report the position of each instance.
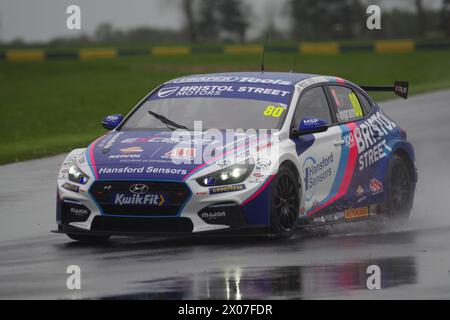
(355, 103)
(273, 111)
(356, 213)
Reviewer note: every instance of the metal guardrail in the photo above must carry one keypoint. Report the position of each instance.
(304, 48)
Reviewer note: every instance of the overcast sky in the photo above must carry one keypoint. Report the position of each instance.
(42, 20)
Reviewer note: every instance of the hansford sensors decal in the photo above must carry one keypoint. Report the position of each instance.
(140, 170)
(316, 172)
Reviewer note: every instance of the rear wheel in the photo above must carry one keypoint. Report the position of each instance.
(285, 204)
(86, 238)
(400, 190)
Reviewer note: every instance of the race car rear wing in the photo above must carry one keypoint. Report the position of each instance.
(400, 88)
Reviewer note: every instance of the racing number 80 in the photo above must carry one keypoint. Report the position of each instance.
(272, 111)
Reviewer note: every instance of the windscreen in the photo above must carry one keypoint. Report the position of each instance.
(217, 106)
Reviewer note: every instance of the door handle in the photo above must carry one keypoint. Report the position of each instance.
(339, 142)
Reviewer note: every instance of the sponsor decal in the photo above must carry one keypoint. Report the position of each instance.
(79, 211)
(124, 156)
(135, 149)
(264, 146)
(122, 199)
(316, 172)
(181, 153)
(370, 138)
(225, 163)
(258, 91)
(311, 122)
(213, 215)
(140, 170)
(201, 194)
(263, 164)
(359, 191)
(356, 213)
(231, 79)
(207, 91)
(167, 91)
(134, 140)
(376, 186)
(169, 140)
(224, 189)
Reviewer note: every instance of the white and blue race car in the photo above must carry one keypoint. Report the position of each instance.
(240, 152)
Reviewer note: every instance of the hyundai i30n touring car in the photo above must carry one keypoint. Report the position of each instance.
(262, 151)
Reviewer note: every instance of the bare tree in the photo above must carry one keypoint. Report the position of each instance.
(208, 20)
(445, 17)
(233, 18)
(421, 18)
(187, 7)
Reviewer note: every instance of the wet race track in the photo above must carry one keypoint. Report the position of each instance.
(414, 261)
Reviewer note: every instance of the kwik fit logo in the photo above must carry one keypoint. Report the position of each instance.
(138, 199)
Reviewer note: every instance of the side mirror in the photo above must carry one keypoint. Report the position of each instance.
(112, 121)
(310, 125)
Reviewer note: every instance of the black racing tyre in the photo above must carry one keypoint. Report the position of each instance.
(86, 238)
(400, 192)
(285, 204)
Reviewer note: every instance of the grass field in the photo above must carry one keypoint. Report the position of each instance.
(54, 106)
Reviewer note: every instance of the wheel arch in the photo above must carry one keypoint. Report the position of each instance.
(406, 153)
(289, 164)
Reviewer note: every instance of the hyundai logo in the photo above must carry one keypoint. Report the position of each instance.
(139, 188)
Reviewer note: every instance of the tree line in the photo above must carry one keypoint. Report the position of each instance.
(211, 21)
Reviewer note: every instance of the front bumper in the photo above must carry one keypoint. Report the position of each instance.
(156, 227)
(89, 213)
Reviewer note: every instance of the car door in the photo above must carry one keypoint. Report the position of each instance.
(319, 154)
(350, 111)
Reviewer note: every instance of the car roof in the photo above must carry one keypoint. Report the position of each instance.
(291, 77)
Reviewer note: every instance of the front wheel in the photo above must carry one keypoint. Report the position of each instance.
(400, 188)
(86, 238)
(285, 204)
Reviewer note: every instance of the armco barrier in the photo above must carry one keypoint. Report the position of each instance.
(319, 48)
(170, 51)
(25, 55)
(106, 53)
(395, 46)
(304, 48)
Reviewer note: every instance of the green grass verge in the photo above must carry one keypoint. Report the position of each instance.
(54, 106)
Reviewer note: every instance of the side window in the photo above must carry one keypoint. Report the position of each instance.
(347, 104)
(313, 103)
(365, 103)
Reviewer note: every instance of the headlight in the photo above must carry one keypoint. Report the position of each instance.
(76, 175)
(230, 175)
